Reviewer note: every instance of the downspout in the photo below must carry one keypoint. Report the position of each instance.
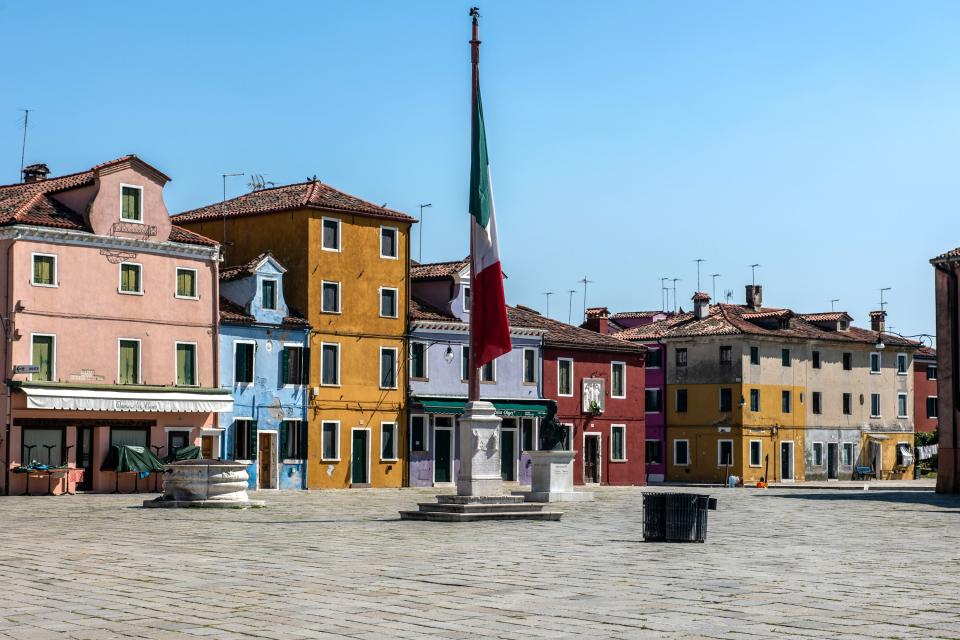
(405, 344)
(8, 360)
(222, 441)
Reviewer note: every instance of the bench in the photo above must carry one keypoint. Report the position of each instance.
(862, 472)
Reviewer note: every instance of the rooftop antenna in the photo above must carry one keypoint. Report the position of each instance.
(548, 294)
(585, 283)
(714, 276)
(23, 146)
(570, 308)
(258, 182)
(225, 176)
(832, 301)
(663, 294)
(882, 303)
(422, 207)
(698, 261)
(675, 293)
(728, 294)
(753, 273)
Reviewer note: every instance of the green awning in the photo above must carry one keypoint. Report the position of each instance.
(508, 409)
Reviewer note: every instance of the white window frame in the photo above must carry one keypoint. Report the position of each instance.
(139, 359)
(493, 368)
(396, 367)
(613, 364)
(679, 464)
(276, 294)
(339, 310)
(906, 404)
(283, 426)
(813, 451)
(56, 270)
(330, 344)
(879, 407)
(396, 242)
(879, 363)
(303, 350)
(426, 360)
(396, 436)
(339, 222)
(143, 205)
(571, 431)
(759, 454)
(253, 368)
(733, 457)
(176, 278)
(323, 440)
(906, 364)
(53, 369)
(935, 368)
(623, 428)
(196, 363)
(936, 406)
(396, 302)
(120, 279)
(847, 446)
(464, 362)
(750, 393)
(572, 384)
(660, 396)
(466, 297)
(534, 371)
(660, 351)
(426, 432)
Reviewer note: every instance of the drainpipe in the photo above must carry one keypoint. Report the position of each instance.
(8, 360)
(221, 441)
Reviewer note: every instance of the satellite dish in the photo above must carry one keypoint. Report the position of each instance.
(276, 410)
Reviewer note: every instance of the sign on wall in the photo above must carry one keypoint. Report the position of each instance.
(26, 368)
(593, 395)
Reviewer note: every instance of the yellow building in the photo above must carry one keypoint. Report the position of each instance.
(347, 266)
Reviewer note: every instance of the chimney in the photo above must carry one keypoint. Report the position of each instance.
(877, 321)
(754, 296)
(598, 320)
(701, 305)
(35, 172)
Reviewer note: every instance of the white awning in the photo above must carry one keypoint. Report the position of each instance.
(60, 399)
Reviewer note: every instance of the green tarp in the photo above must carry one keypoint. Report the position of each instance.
(125, 458)
(184, 453)
(503, 408)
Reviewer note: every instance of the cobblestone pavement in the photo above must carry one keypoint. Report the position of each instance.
(784, 564)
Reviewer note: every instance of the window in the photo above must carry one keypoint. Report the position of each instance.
(466, 299)
(464, 362)
(330, 440)
(131, 203)
(488, 372)
(818, 454)
(902, 364)
(681, 401)
(388, 368)
(931, 406)
(292, 365)
(618, 375)
(44, 270)
(529, 366)
(756, 453)
(681, 453)
(244, 433)
(564, 377)
(726, 356)
(330, 364)
(43, 356)
(330, 297)
(418, 360)
(43, 445)
(654, 452)
(388, 242)
(847, 404)
(268, 294)
(901, 405)
(418, 433)
(724, 453)
(388, 303)
(726, 399)
(526, 435)
(847, 361)
(186, 283)
(846, 456)
(293, 439)
(785, 357)
(618, 443)
(331, 234)
(130, 437)
(754, 355)
(755, 400)
(654, 358)
(186, 364)
(681, 357)
(785, 401)
(129, 357)
(568, 430)
(652, 401)
(874, 363)
(815, 357)
(243, 353)
(874, 405)
(931, 372)
(130, 278)
(817, 402)
(388, 440)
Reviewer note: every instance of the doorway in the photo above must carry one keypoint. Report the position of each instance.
(442, 451)
(786, 461)
(508, 452)
(833, 461)
(266, 459)
(360, 457)
(591, 458)
(177, 440)
(84, 452)
(206, 447)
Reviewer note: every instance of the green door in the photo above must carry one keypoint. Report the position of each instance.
(442, 463)
(358, 461)
(508, 454)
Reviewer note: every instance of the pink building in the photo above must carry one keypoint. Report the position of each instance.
(109, 319)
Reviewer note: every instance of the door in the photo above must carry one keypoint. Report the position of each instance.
(177, 440)
(786, 461)
(508, 454)
(359, 458)
(833, 461)
(206, 447)
(591, 459)
(442, 456)
(266, 460)
(84, 452)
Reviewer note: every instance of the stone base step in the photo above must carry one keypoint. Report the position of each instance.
(456, 516)
(455, 499)
(483, 507)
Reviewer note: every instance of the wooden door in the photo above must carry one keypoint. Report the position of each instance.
(442, 462)
(84, 452)
(358, 458)
(508, 454)
(206, 447)
(591, 459)
(265, 461)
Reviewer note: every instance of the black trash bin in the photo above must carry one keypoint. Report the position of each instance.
(654, 516)
(676, 517)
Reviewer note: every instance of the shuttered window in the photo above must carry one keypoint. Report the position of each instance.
(388, 368)
(129, 362)
(418, 360)
(243, 362)
(130, 278)
(44, 270)
(268, 294)
(292, 364)
(330, 434)
(43, 357)
(130, 203)
(244, 439)
(388, 441)
(186, 283)
(293, 439)
(330, 364)
(618, 448)
(186, 364)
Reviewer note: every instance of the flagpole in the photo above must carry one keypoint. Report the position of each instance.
(473, 380)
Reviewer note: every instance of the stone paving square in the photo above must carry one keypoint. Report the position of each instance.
(780, 563)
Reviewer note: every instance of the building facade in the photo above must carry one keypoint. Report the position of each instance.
(925, 390)
(347, 264)
(946, 270)
(264, 351)
(113, 311)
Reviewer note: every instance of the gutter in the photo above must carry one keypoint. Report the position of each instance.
(8, 361)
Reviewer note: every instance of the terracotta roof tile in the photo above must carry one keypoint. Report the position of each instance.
(420, 310)
(565, 336)
(248, 268)
(949, 256)
(598, 312)
(626, 315)
(826, 316)
(232, 313)
(437, 270)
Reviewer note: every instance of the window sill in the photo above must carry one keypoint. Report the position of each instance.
(389, 459)
(292, 461)
(530, 384)
(45, 286)
(329, 385)
(388, 257)
(329, 459)
(130, 293)
(388, 388)
(618, 461)
(565, 395)
(618, 397)
(187, 386)
(389, 317)
(332, 250)
(755, 466)
(244, 461)
(874, 373)
(416, 379)
(332, 313)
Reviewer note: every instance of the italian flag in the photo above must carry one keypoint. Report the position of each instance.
(488, 322)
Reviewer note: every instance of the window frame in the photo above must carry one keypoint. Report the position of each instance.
(902, 357)
(726, 355)
(493, 370)
(720, 394)
(196, 363)
(676, 356)
(816, 402)
(339, 309)
(759, 462)
(846, 361)
(323, 221)
(754, 392)
(676, 441)
(33, 269)
(396, 367)
(623, 429)
(139, 342)
(844, 448)
(303, 350)
(426, 360)
(879, 413)
(396, 242)
(395, 444)
(720, 463)
(120, 267)
(613, 365)
(815, 449)
(250, 421)
(936, 408)
(879, 369)
(142, 211)
(786, 401)
(533, 366)
(905, 398)
(467, 298)
(815, 361)
(322, 346)
(426, 433)
(786, 357)
(659, 352)
(276, 294)
(286, 436)
(253, 363)
(464, 362)
(936, 372)
(646, 451)
(646, 405)
(676, 400)
(53, 354)
(323, 441)
(844, 398)
(176, 283)
(559, 378)
(754, 350)
(396, 302)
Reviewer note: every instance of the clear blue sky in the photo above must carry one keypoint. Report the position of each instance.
(819, 139)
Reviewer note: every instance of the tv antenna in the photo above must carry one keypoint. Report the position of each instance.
(548, 294)
(585, 283)
(714, 276)
(664, 302)
(753, 273)
(728, 294)
(23, 146)
(674, 280)
(882, 303)
(259, 183)
(832, 301)
(570, 307)
(698, 261)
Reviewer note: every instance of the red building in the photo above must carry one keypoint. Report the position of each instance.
(925, 390)
(598, 384)
(947, 288)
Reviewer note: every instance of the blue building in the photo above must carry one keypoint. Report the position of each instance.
(264, 360)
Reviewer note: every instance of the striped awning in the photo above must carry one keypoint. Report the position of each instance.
(503, 408)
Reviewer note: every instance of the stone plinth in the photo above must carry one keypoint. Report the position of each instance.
(479, 451)
(552, 478)
(205, 483)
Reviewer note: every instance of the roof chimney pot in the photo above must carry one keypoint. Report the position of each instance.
(35, 172)
(755, 296)
(878, 321)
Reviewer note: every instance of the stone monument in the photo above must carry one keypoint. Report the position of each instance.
(552, 477)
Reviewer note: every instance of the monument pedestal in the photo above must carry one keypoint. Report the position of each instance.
(552, 479)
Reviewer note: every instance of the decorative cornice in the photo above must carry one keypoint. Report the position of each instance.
(464, 327)
(87, 239)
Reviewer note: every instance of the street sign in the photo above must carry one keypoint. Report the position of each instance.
(26, 368)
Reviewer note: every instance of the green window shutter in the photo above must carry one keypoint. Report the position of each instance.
(128, 362)
(284, 366)
(43, 357)
(305, 367)
(253, 439)
(186, 364)
(284, 438)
